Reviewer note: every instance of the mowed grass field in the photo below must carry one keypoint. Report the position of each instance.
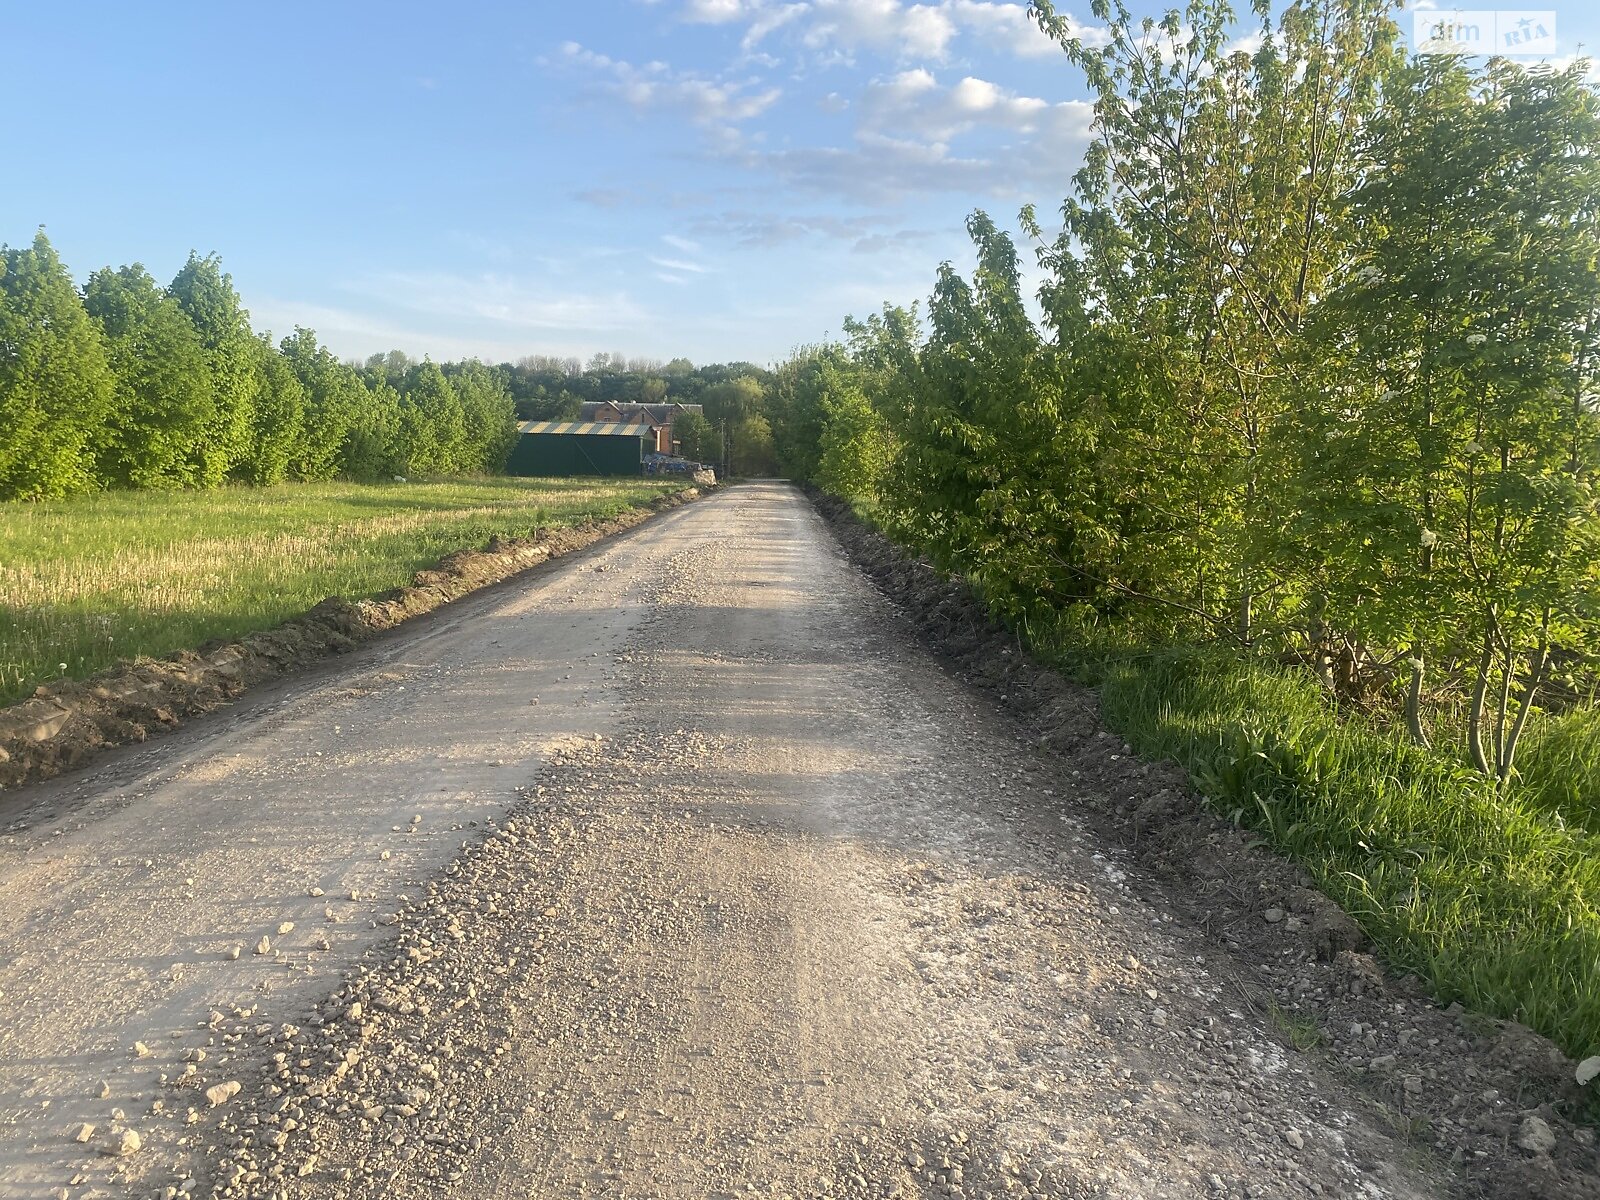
(88, 581)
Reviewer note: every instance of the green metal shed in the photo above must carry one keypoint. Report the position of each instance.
(580, 448)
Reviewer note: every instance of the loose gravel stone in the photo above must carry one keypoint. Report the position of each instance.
(786, 910)
(1588, 1070)
(1535, 1135)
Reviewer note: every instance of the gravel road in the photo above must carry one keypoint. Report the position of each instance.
(672, 869)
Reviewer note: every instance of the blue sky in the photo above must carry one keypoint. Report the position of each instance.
(719, 179)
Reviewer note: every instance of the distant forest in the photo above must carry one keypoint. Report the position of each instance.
(736, 427)
(126, 383)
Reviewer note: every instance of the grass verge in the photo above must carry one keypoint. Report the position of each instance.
(1491, 897)
(88, 581)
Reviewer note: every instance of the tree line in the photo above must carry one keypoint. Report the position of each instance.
(129, 384)
(735, 428)
(124, 383)
(1312, 372)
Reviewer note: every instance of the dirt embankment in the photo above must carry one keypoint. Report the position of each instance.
(63, 724)
(1494, 1097)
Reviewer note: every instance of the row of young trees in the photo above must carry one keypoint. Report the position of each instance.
(1317, 371)
(129, 384)
(731, 429)
(125, 383)
(548, 388)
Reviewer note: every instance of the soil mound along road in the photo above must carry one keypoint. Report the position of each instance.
(62, 725)
(678, 869)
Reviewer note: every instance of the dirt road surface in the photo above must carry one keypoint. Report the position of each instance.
(673, 869)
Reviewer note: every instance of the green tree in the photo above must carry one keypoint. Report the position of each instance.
(389, 368)
(855, 446)
(372, 447)
(696, 438)
(206, 294)
(729, 402)
(1200, 231)
(56, 385)
(794, 406)
(432, 424)
(751, 450)
(334, 395)
(1449, 441)
(489, 417)
(975, 474)
(277, 420)
(163, 404)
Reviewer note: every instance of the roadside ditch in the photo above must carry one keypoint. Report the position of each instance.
(1492, 1097)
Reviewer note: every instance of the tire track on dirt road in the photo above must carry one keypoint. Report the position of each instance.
(778, 910)
(127, 889)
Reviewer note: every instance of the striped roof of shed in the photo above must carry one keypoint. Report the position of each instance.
(605, 428)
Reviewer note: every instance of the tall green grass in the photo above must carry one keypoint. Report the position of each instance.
(1559, 769)
(1492, 897)
(86, 581)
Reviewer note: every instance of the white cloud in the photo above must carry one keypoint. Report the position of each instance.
(879, 170)
(914, 31)
(678, 265)
(1009, 28)
(503, 300)
(760, 17)
(455, 316)
(839, 29)
(912, 104)
(890, 243)
(655, 87)
(916, 135)
(717, 12)
(913, 133)
(770, 20)
(764, 230)
(681, 243)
